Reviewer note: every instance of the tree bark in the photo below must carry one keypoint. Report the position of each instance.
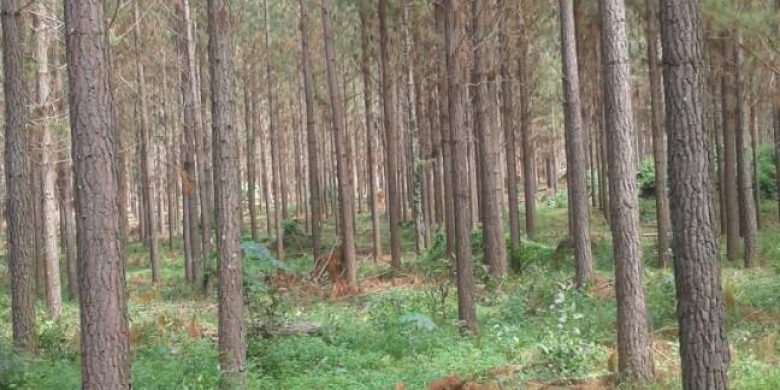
(488, 139)
(526, 129)
(311, 135)
(391, 175)
(729, 107)
(659, 134)
(575, 153)
(46, 113)
(105, 352)
(190, 187)
(507, 122)
(345, 185)
(273, 133)
(460, 187)
(18, 168)
(225, 130)
(634, 347)
(251, 147)
(368, 100)
(703, 347)
(146, 156)
(744, 168)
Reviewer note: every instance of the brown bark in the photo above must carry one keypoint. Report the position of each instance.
(146, 153)
(659, 133)
(391, 175)
(507, 122)
(703, 347)
(488, 139)
(46, 113)
(634, 348)
(273, 133)
(67, 235)
(19, 200)
(460, 188)
(729, 107)
(251, 147)
(225, 130)
(315, 202)
(345, 185)
(445, 130)
(576, 163)
(526, 129)
(368, 100)
(744, 168)
(192, 123)
(105, 352)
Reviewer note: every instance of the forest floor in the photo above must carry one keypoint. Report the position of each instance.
(400, 330)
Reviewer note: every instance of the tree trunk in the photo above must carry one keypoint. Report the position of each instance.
(18, 168)
(105, 349)
(744, 169)
(251, 147)
(507, 121)
(370, 132)
(776, 111)
(410, 96)
(46, 114)
(526, 129)
(345, 185)
(273, 133)
(460, 187)
(729, 107)
(444, 122)
(391, 153)
(315, 202)
(193, 121)
(703, 346)
(146, 156)
(659, 134)
(488, 139)
(576, 163)
(68, 236)
(231, 299)
(634, 348)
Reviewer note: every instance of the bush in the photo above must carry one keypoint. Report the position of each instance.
(766, 162)
(645, 177)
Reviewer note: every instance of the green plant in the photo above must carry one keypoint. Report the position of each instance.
(645, 177)
(765, 163)
(261, 294)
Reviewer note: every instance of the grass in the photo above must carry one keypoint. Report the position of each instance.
(534, 327)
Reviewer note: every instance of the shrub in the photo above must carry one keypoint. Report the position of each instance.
(645, 177)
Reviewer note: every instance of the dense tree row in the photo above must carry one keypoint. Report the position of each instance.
(156, 120)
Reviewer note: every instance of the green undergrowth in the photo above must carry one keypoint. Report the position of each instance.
(533, 324)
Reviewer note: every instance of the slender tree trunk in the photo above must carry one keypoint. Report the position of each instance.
(659, 133)
(744, 169)
(231, 300)
(251, 147)
(526, 129)
(368, 100)
(634, 348)
(273, 132)
(776, 115)
(105, 349)
(311, 135)
(445, 129)
(507, 122)
(729, 106)
(703, 346)
(488, 139)
(576, 162)
(192, 124)
(19, 198)
(146, 153)
(462, 246)
(414, 131)
(46, 113)
(345, 188)
(391, 175)
(68, 236)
